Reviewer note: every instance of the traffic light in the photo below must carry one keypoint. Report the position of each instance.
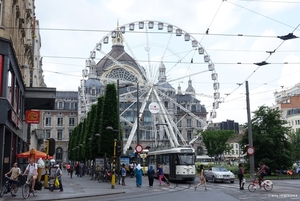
(119, 148)
(51, 147)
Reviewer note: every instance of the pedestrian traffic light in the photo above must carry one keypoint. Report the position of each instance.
(51, 147)
(119, 148)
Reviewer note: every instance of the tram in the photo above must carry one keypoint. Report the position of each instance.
(178, 163)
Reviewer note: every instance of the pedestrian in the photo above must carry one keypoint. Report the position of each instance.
(68, 168)
(240, 175)
(123, 174)
(77, 169)
(150, 174)
(202, 178)
(160, 172)
(58, 174)
(71, 170)
(81, 169)
(138, 172)
(131, 169)
(15, 172)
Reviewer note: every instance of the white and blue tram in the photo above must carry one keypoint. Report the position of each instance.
(177, 163)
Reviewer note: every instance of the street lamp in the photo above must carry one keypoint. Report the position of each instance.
(118, 160)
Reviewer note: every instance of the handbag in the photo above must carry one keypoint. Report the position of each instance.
(56, 182)
(244, 180)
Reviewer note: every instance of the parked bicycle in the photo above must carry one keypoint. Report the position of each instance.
(266, 184)
(8, 187)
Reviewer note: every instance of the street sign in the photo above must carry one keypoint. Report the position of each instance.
(138, 148)
(154, 107)
(250, 151)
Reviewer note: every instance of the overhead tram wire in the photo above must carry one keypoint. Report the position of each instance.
(154, 32)
(270, 1)
(264, 62)
(260, 14)
(207, 31)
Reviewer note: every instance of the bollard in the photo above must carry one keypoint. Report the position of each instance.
(113, 176)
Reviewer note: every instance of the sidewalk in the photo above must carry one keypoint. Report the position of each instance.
(78, 187)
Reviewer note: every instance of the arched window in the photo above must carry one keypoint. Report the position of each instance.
(59, 154)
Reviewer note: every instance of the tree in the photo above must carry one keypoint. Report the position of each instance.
(95, 142)
(216, 141)
(295, 140)
(270, 142)
(88, 132)
(109, 118)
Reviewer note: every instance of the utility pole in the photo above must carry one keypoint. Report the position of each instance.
(251, 157)
(138, 119)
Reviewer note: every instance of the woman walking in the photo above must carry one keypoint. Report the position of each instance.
(150, 174)
(160, 174)
(241, 176)
(138, 175)
(202, 178)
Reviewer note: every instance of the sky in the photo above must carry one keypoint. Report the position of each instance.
(240, 32)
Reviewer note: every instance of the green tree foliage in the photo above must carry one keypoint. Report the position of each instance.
(295, 140)
(95, 143)
(71, 145)
(270, 142)
(88, 132)
(216, 141)
(109, 118)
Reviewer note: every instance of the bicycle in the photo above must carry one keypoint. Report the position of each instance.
(8, 187)
(100, 177)
(266, 184)
(26, 189)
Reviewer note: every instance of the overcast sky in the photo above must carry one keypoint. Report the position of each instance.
(240, 33)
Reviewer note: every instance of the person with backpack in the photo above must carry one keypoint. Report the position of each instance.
(31, 169)
(240, 174)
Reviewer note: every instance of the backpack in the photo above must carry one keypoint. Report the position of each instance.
(38, 185)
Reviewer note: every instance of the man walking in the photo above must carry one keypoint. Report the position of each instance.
(123, 174)
(58, 174)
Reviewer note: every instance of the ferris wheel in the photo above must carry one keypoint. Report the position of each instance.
(155, 57)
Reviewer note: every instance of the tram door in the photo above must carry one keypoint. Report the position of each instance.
(172, 161)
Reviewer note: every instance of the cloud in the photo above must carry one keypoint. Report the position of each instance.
(70, 30)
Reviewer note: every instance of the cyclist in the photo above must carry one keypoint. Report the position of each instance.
(262, 172)
(15, 172)
(31, 169)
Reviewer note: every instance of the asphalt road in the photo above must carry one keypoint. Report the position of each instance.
(282, 190)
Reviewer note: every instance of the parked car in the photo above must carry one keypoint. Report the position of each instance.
(220, 174)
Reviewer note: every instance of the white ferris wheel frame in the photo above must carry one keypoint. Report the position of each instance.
(152, 90)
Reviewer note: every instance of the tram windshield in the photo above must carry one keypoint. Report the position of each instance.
(186, 159)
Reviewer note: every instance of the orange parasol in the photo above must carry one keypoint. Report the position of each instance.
(35, 154)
